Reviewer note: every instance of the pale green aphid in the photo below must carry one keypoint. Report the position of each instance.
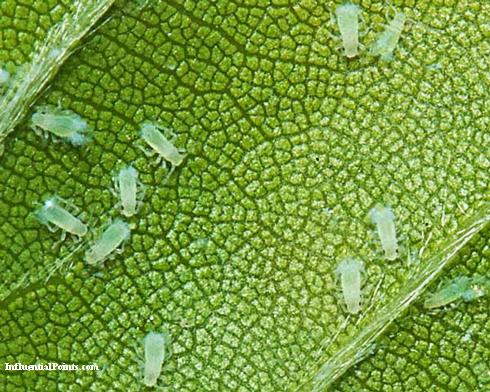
(151, 134)
(4, 77)
(54, 216)
(155, 344)
(386, 42)
(65, 124)
(465, 288)
(108, 242)
(350, 270)
(348, 21)
(127, 184)
(384, 220)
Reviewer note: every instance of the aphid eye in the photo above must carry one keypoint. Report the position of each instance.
(350, 270)
(384, 219)
(348, 21)
(155, 345)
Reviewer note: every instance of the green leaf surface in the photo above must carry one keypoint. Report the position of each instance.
(289, 146)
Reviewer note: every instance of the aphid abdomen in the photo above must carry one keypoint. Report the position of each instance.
(154, 356)
(350, 279)
(53, 213)
(128, 188)
(384, 220)
(348, 21)
(108, 242)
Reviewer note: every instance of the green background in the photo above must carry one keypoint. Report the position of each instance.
(289, 146)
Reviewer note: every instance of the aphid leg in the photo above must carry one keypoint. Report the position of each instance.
(148, 153)
(119, 250)
(38, 131)
(172, 168)
(68, 204)
(372, 300)
(51, 228)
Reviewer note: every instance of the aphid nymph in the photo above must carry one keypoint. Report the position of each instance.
(350, 270)
(463, 287)
(64, 124)
(130, 190)
(108, 242)
(152, 134)
(54, 216)
(4, 77)
(385, 44)
(449, 293)
(384, 219)
(348, 21)
(155, 344)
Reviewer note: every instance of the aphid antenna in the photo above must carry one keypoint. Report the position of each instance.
(376, 291)
(67, 203)
(59, 263)
(390, 8)
(148, 153)
(426, 243)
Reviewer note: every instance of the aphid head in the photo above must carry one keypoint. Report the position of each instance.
(123, 227)
(130, 170)
(349, 265)
(50, 203)
(347, 8)
(147, 128)
(473, 293)
(40, 215)
(379, 213)
(79, 139)
(91, 256)
(79, 124)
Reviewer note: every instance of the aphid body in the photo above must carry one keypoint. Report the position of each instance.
(113, 236)
(384, 219)
(451, 292)
(386, 42)
(53, 214)
(348, 21)
(151, 134)
(350, 271)
(127, 185)
(154, 343)
(4, 76)
(65, 124)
